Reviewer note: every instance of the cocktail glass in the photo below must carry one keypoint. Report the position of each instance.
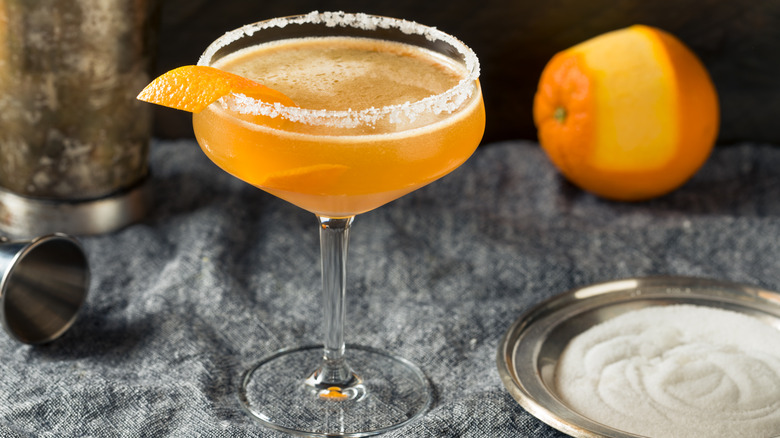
(337, 164)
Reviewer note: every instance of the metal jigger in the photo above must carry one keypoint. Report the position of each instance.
(44, 283)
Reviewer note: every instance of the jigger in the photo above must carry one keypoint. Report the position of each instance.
(44, 283)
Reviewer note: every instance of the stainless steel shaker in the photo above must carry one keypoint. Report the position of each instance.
(73, 139)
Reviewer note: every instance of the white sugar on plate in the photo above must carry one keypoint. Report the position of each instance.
(676, 371)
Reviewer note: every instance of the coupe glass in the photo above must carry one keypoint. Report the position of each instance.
(337, 164)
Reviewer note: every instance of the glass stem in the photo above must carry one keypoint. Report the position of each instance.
(334, 370)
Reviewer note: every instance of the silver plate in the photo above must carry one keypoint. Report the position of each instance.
(528, 353)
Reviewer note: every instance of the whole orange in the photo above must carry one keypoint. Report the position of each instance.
(629, 115)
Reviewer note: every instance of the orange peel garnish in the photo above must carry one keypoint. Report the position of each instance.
(194, 87)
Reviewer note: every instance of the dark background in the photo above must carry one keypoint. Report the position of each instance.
(738, 41)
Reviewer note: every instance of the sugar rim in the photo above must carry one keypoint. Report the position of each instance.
(445, 102)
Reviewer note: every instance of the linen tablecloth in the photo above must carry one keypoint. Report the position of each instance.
(220, 274)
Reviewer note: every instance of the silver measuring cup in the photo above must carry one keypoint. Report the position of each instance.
(43, 285)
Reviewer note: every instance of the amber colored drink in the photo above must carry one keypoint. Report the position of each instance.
(382, 106)
(342, 169)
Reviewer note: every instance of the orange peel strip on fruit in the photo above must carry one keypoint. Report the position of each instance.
(194, 87)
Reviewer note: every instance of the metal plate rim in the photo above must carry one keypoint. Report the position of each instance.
(531, 392)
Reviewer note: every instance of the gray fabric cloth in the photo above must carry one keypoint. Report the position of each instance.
(221, 274)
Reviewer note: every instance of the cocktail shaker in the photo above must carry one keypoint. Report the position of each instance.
(73, 139)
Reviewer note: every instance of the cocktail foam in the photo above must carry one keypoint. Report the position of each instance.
(448, 101)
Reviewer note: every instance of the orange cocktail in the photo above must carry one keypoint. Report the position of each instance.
(343, 166)
(337, 113)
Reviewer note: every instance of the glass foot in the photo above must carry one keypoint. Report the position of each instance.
(389, 393)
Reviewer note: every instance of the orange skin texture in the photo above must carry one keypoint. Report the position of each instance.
(192, 88)
(566, 84)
